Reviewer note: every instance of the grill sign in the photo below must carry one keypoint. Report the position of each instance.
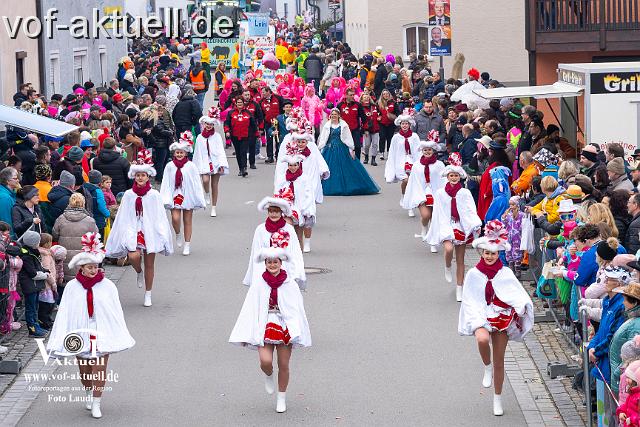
(615, 83)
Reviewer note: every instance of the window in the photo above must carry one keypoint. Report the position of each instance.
(79, 65)
(20, 56)
(286, 10)
(54, 73)
(102, 52)
(416, 39)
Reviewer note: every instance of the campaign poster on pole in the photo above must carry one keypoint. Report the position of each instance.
(439, 13)
(439, 20)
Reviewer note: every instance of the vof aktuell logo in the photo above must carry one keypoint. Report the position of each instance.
(73, 345)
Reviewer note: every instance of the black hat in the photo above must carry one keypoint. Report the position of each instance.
(552, 128)
(605, 251)
(495, 145)
(634, 264)
(636, 152)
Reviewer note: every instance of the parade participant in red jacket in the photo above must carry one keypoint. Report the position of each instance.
(351, 112)
(240, 126)
(271, 105)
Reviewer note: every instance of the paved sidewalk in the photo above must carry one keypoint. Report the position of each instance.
(17, 392)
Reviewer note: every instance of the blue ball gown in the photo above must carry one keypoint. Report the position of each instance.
(348, 176)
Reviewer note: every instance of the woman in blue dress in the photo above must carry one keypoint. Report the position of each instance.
(501, 193)
(348, 176)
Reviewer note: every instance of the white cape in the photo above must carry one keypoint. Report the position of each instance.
(314, 167)
(112, 333)
(153, 223)
(441, 228)
(304, 202)
(418, 188)
(465, 95)
(191, 189)
(250, 326)
(217, 156)
(345, 135)
(394, 166)
(474, 309)
(295, 265)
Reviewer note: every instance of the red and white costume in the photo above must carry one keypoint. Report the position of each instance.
(303, 203)
(208, 154)
(403, 152)
(421, 190)
(181, 187)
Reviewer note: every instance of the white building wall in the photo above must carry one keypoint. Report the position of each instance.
(8, 49)
(356, 20)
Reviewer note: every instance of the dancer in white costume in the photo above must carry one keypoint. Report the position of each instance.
(495, 308)
(90, 307)
(141, 229)
(210, 158)
(455, 222)
(181, 190)
(276, 231)
(403, 152)
(425, 179)
(273, 318)
(303, 205)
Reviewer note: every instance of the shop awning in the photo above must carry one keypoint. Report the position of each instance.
(556, 90)
(32, 122)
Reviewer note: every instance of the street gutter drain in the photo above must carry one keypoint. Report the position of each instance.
(316, 270)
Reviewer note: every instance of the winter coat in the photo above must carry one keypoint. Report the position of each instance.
(23, 218)
(550, 205)
(31, 265)
(50, 265)
(111, 163)
(426, 123)
(626, 332)
(380, 79)
(621, 183)
(632, 238)
(588, 267)
(68, 231)
(622, 224)
(469, 147)
(7, 200)
(612, 319)
(165, 130)
(523, 183)
(630, 408)
(100, 211)
(186, 113)
(59, 199)
(63, 165)
(313, 65)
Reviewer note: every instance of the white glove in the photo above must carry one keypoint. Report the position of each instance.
(41, 275)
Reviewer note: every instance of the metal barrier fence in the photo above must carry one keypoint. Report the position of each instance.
(577, 339)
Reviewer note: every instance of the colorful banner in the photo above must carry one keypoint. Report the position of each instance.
(222, 49)
(258, 24)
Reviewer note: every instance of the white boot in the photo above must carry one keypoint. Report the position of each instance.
(140, 279)
(207, 198)
(187, 248)
(497, 405)
(281, 402)
(447, 274)
(89, 401)
(95, 408)
(213, 212)
(179, 240)
(434, 249)
(147, 298)
(269, 384)
(411, 213)
(307, 245)
(459, 293)
(488, 376)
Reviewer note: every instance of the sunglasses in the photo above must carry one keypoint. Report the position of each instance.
(567, 216)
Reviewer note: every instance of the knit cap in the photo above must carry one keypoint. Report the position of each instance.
(31, 239)
(75, 154)
(95, 177)
(67, 179)
(616, 166)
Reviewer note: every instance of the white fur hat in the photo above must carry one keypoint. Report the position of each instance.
(292, 159)
(303, 130)
(406, 116)
(427, 144)
(280, 200)
(92, 252)
(566, 206)
(185, 143)
(494, 239)
(211, 117)
(455, 165)
(144, 163)
(271, 253)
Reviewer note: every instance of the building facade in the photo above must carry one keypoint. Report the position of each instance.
(19, 59)
(491, 37)
(67, 60)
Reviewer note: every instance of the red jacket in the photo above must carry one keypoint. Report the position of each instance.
(351, 113)
(486, 193)
(630, 407)
(256, 111)
(391, 108)
(270, 108)
(239, 123)
(371, 124)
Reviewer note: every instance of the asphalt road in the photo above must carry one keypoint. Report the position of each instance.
(383, 322)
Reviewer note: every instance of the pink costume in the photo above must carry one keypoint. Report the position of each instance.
(15, 265)
(312, 106)
(335, 94)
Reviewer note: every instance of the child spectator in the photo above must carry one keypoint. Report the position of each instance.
(32, 278)
(549, 205)
(15, 264)
(512, 220)
(629, 411)
(59, 255)
(105, 186)
(47, 296)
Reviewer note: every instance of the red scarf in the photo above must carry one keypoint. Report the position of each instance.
(490, 271)
(274, 283)
(140, 191)
(306, 152)
(426, 161)
(452, 190)
(292, 176)
(273, 226)
(207, 133)
(407, 146)
(88, 283)
(179, 164)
